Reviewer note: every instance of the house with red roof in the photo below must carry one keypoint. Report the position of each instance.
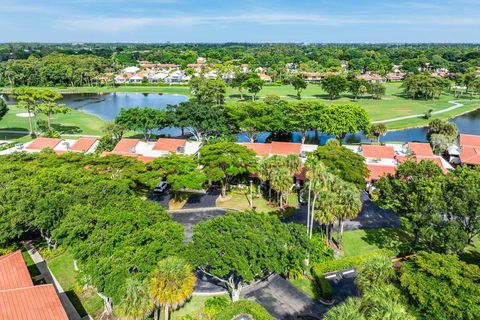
(147, 151)
(280, 148)
(419, 151)
(59, 146)
(20, 299)
(380, 160)
(467, 152)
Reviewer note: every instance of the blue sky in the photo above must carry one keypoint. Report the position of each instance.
(240, 21)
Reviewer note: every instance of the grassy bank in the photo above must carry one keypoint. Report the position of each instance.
(394, 104)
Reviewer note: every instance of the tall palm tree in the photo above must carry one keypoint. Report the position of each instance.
(171, 284)
(282, 183)
(265, 172)
(294, 166)
(136, 304)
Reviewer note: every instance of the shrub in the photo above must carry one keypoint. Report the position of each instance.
(345, 263)
(244, 307)
(322, 287)
(215, 305)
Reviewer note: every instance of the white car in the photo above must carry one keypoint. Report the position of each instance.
(161, 187)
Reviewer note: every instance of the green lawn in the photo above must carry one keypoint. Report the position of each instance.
(305, 285)
(192, 308)
(62, 268)
(363, 241)
(392, 105)
(32, 268)
(74, 122)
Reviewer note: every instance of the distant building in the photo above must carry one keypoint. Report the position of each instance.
(395, 76)
(59, 146)
(130, 69)
(372, 78)
(265, 77)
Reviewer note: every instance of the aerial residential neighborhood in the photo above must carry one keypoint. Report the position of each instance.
(266, 160)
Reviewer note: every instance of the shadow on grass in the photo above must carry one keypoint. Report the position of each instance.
(470, 256)
(66, 129)
(75, 300)
(394, 239)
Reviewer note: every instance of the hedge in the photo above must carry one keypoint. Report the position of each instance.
(244, 307)
(346, 263)
(323, 288)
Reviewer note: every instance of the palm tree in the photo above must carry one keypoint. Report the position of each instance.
(348, 202)
(171, 284)
(136, 304)
(294, 166)
(282, 183)
(265, 172)
(350, 309)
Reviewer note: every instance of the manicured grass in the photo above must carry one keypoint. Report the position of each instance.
(178, 202)
(359, 242)
(305, 285)
(393, 104)
(62, 268)
(32, 267)
(193, 308)
(239, 200)
(74, 122)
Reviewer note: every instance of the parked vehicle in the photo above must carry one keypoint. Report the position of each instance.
(161, 187)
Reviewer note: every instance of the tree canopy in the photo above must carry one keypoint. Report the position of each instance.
(338, 120)
(142, 119)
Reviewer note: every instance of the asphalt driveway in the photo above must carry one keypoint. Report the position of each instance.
(190, 218)
(199, 201)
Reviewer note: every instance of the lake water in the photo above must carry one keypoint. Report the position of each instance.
(107, 106)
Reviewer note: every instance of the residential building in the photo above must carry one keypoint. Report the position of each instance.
(372, 77)
(59, 146)
(280, 148)
(467, 152)
(20, 299)
(265, 77)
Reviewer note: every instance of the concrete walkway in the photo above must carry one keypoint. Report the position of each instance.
(47, 275)
(456, 105)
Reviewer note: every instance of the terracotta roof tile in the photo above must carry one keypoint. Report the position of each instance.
(261, 149)
(42, 143)
(14, 272)
(372, 151)
(170, 145)
(469, 140)
(470, 155)
(377, 171)
(125, 146)
(420, 149)
(434, 159)
(83, 144)
(31, 303)
(286, 148)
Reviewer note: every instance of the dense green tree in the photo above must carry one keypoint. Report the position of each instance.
(442, 287)
(238, 82)
(338, 120)
(3, 108)
(342, 162)
(299, 84)
(424, 86)
(208, 91)
(253, 84)
(302, 116)
(350, 309)
(376, 89)
(357, 87)
(225, 161)
(241, 247)
(250, 117)
(334, 85)
(171, 283)
(142, 119)
(201, 119)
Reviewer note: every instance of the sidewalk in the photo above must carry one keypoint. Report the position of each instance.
(47, 275)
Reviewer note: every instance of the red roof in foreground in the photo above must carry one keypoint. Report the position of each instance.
(125, 145)
(377, 171)
(261, 149)
(168, 144)
(31, 303)
(434, 159)
(285, 148)
(83, 144)
(373, 151)
(42, 143)
(420, 149)
(14, 272)
(470, 155)
(469, 140)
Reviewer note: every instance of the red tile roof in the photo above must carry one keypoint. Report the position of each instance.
(469, 140)
(31, 303)
(377, 171)
(125, 145)
(470, 155)
(285, 148)
(14, 272)
(420, 149)
(372, 151)
(170, 145)
(42, 143)
(83, 144)
(261, 149)
(146, 159)
(434, 159)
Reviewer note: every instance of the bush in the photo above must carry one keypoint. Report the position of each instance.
(215, 305)
(320, 269)
(244, 307)
(322, 287)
